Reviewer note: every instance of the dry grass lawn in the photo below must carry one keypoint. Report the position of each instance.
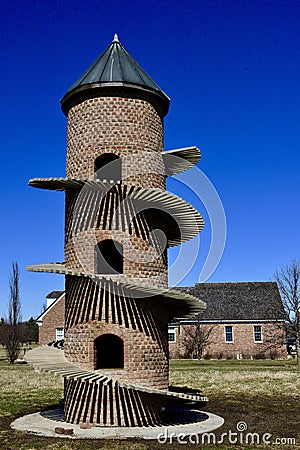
(264, 394)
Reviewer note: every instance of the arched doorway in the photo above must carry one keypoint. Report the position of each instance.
(109, 257)
(109, 352)
(110, 165)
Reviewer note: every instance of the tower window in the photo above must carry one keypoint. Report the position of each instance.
(109, 352)
(108, 167)
(109, 257)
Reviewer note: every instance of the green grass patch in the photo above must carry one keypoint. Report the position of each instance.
(22, 388)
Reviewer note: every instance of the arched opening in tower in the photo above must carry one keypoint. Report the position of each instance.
(109, 352)
(108, 166)
(109, 257)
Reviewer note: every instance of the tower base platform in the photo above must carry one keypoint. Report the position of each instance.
(188, 422)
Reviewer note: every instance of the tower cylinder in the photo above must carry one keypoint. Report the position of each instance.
(111, 127)
(118, 223)
(125, 127)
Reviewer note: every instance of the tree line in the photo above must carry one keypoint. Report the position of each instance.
(14, 332)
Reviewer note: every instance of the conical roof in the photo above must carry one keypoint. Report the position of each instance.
(114, 69)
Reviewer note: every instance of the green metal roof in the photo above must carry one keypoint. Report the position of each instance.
(115, 67)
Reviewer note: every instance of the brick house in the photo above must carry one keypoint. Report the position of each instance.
(242, 320)
(51, 321)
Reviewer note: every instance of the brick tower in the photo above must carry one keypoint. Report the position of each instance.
(119, 221)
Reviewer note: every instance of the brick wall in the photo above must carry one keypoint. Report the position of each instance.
(140, 323)
(54, 318)
(145, 360)
(130, 128)
(126, 127)
(141, 260)
(273, 341)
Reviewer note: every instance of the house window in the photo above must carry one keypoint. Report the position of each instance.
(109, 257)
(109, 352)
(59, 334)
(172, 335)
(257, 333)
(112, 164)
(228, 334)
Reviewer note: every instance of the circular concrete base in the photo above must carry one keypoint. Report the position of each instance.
(44, 424)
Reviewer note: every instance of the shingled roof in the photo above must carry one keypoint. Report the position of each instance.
(54, 294)
(113, 71)
(243, 301)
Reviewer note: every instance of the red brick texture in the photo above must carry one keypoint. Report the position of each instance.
(272, 345)
(141, 261)
(54, 318)
(126, 127)
(141, 324)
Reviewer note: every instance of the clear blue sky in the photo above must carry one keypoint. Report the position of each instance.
(232, 71)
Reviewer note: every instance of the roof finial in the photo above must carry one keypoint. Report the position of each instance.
(116, 39)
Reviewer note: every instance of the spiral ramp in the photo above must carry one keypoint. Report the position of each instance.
(125, 404)
(100, 396)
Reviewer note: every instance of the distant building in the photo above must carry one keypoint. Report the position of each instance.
(52, 321)
(242, 320)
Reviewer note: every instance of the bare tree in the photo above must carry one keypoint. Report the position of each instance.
(288, 279)
(273, 345)
(12, 328)
(196, 338)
